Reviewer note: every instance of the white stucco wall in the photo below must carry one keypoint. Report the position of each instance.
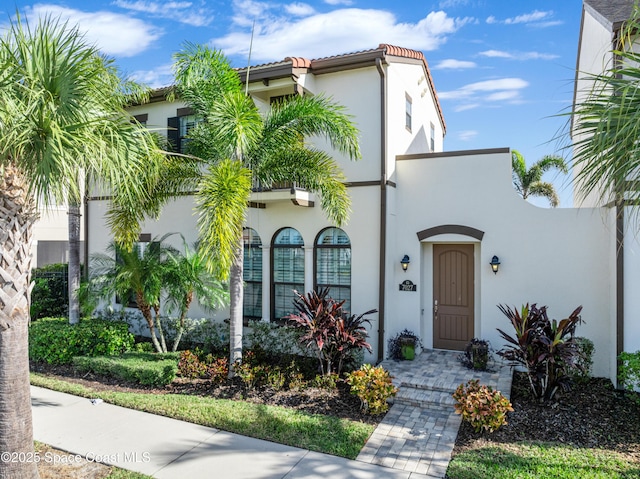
(554, 257)
(594, 57)
(631, 281)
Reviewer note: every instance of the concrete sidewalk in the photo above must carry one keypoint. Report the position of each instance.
(172, 449)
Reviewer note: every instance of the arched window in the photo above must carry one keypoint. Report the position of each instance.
(333, 264)
(252, 274)
(287, 271)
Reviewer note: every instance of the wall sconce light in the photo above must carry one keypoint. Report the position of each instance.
(495, 264)
(405, 262)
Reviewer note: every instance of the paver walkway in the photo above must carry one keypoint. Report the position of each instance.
(418, 433)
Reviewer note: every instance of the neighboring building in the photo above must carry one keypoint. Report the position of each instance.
(600, 31)
(51, 237)
(449, 212)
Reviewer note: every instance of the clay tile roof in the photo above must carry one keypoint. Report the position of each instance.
(401, 52)
(298, 62)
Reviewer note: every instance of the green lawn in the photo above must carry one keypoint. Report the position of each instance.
(535, 461)
(331, 435)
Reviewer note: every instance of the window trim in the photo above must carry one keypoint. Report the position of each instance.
(247, 318)
(408, 112)
(317, 246)
(272, 285)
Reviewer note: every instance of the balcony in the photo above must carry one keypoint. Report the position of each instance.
(279, 192)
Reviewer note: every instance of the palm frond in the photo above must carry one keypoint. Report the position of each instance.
(222, 203)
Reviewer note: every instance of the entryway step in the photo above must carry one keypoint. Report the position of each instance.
(425, 398)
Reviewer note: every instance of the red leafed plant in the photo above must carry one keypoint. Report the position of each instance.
(546, 348)
(328, 330)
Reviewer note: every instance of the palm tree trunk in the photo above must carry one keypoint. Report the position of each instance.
(183, 315)
(74, 261)
(163, 342)
(17, 215)
(145, 309)
(235, 309)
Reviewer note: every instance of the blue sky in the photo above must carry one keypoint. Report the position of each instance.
(503, 69)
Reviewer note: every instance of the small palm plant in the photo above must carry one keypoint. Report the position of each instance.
(187, 277)
(138, 272)
(528, 182)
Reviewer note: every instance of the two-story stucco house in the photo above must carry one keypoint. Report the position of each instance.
(448, 213)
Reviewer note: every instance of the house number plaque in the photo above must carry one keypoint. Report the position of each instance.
(408, 286)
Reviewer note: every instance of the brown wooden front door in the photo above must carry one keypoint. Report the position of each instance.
(452, 295)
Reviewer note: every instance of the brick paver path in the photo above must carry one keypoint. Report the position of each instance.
(418, 433)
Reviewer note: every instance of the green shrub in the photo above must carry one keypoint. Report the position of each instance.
(50, 297)
(251, 375)
(148, 369)
(581, 371)
(55, 341)
(629, 375)
(273, 339)
(373, 386)
(481, 406)
(326, 381)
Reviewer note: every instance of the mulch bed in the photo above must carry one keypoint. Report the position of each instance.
(592, 415)
(339, 402)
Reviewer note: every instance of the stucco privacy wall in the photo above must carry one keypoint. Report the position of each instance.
(555, 257)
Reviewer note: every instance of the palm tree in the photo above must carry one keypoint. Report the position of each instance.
(134, 274)
(244, 148)
(606, 125)
(187, 277)
(528, 182)
(58, 117)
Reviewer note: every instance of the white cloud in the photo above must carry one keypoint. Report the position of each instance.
(483, 93)
(339, 2)
(503, 95)
(114, 34)
(467, 135)
(518, 55)
(339, 31)
(452, 3)
(453, 64)
(159, 77)
(536, 18)
(495, 54)
(183, 12)
(299, 9)
(466, 106)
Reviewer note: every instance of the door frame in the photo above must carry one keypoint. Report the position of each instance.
(426, 298)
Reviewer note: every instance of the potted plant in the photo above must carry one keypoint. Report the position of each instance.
(403, 345)
(477, 354)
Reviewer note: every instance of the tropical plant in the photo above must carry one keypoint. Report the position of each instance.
(481, 406)
(546, 348)
(528, 182)
(242, 148)
(59, 117)
(136, 274)
(327, 330)
(374, 386)
(605, 125)
(186, 277)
